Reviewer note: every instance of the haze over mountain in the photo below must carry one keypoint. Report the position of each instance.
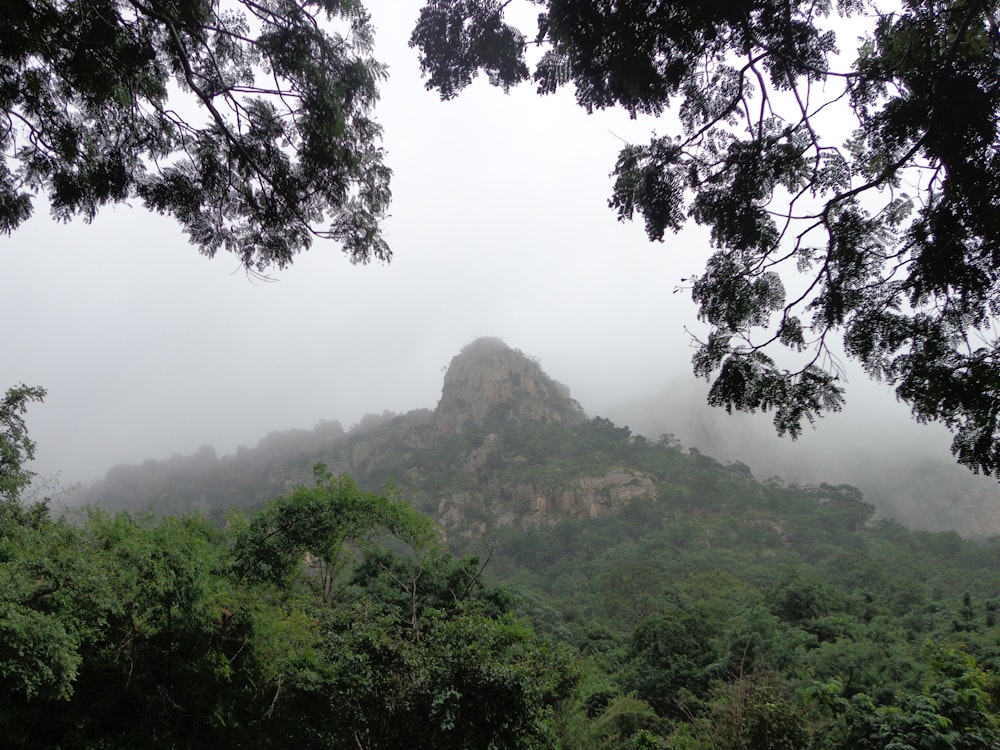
(451, 462)
(904, 469)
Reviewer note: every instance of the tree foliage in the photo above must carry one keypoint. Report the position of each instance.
(884, 236)
(954, 711)
(16, 447)
(248, 122)
(326, 525)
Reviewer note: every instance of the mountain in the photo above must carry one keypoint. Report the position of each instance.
(506, 446)
(487, 385)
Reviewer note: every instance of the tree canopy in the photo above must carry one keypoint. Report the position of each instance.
(851, 195)
(248, 122)
(136, 631)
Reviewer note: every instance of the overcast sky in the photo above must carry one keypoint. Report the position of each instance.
(499, 227)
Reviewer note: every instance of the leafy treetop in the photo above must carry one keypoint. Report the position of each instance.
(248, 122)
(888, 238)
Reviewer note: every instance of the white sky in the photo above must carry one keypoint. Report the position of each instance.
(499, 227)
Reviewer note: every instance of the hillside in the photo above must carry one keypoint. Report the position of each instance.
(904, 469)
(507, 445)
(488, 387)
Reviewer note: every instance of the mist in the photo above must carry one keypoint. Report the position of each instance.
(499, 227)
(905, 469)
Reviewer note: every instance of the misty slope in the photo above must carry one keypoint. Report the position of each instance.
(487, 384)
(901, 467)
(508, 446)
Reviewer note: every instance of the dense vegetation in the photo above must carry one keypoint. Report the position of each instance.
(330, 619)
(725, 613)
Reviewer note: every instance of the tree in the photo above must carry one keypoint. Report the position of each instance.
(117, 632)
(887, 237)
(668, 661)
(426, 655)
(102, 99)
(953, 712)
(16, 448)
(325, 525)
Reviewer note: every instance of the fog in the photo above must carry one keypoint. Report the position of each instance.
(499, 227)
(904, 469)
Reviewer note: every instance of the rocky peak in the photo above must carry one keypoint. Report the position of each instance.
(489, 383)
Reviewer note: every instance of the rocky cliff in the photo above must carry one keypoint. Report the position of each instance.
(488, 383)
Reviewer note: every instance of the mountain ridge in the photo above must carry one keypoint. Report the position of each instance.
(505, 445)
(486, 384)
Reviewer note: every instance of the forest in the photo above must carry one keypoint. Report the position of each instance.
(721, 612)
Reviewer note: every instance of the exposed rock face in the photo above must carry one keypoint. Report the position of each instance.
(488, 383)
(585, 497)
(525, 505)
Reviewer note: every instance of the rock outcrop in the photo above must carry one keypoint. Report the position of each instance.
(488, 384)
(583, 497)
(524, 504)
